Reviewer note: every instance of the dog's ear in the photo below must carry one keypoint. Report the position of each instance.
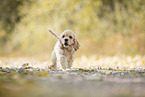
(76, 44)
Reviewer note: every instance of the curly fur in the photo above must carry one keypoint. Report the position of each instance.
(64, 50)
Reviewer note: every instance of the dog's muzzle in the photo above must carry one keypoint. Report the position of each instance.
(66, 43)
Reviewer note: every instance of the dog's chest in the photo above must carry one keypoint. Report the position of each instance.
(64, 51)
(67, 52)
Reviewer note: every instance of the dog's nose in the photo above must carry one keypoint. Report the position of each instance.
(66, 39)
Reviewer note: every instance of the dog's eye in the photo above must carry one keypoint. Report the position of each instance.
(63, 36)
(70, 37)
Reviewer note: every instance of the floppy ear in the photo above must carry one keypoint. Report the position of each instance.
(76, 44)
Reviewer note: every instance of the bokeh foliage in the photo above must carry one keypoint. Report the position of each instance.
(9, 16)
(102, 26)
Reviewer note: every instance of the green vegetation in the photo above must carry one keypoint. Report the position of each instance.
(110, 27)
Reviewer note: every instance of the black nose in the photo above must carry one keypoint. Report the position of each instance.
(66, 39)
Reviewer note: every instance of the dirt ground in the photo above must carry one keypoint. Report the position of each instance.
(75, 83)
(26, 80)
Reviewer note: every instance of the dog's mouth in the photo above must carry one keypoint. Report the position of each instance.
(66, 44)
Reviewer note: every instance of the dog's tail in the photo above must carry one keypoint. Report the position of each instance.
(54, 34)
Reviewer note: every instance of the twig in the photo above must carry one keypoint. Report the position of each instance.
(54, 34)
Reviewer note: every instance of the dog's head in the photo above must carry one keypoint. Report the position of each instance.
(68, 38)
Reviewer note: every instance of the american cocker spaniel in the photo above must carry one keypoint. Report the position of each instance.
(64, 50)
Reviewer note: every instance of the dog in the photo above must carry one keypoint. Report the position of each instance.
(64, 50)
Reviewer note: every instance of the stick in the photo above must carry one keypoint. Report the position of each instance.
(54, 34)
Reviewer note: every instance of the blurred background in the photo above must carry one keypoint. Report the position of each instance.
(103, 27)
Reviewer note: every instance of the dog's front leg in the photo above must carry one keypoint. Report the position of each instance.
(63, 62)
(53, 61)
(70, 64)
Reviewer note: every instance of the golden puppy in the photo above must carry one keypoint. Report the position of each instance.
(64, 50)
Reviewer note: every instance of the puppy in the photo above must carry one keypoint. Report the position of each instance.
(64, 50)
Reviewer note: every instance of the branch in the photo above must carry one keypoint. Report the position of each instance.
(54, 34)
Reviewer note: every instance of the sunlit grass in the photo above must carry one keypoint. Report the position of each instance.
(93, 62)
(121, 62)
